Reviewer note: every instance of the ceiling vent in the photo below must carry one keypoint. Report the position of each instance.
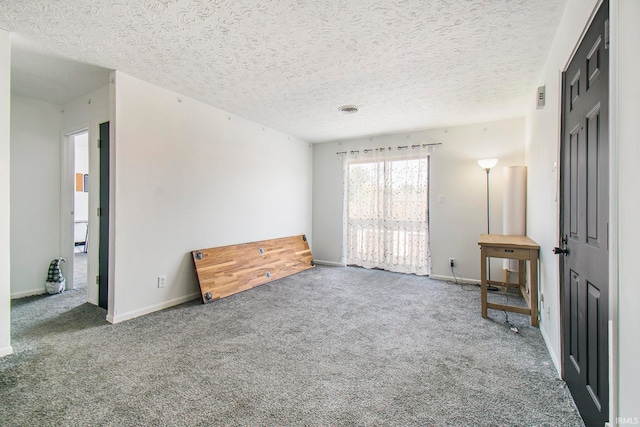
(348, 109)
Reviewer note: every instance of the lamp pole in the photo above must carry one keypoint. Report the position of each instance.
(487, 164)
(488, 170)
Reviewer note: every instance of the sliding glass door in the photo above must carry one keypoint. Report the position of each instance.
(386, 214)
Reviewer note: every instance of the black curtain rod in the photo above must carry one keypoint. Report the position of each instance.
(400, 147)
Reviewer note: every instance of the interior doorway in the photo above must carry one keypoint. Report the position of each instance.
(74, 226)
(84, 173)
(81, 209)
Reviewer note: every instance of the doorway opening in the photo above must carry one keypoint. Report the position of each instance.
(85, 209)
(81, 209)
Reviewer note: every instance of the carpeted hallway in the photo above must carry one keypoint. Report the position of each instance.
(328, 346)
(80, 269)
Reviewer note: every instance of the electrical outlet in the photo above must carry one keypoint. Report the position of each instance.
(162, 281)
(452, 262)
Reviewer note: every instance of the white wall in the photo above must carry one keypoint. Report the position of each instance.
(189, 176)
(5, 105)
(542, 149)
(454, 224)
(628, 128)
(38, 148)
(35, 192)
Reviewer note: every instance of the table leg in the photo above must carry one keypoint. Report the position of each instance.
(483, 280)
(522, 281)
(533, 287)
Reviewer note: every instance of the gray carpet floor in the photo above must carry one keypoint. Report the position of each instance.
(326, 347)
(80, 269)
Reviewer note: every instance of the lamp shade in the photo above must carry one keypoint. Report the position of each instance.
(487, 163)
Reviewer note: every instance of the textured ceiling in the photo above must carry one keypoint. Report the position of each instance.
(52, 78)
(407, 64)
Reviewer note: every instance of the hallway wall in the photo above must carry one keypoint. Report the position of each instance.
(35, 192)
(5, 276)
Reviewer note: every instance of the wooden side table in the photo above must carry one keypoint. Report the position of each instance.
(520, 248)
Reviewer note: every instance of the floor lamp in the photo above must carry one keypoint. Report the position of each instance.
(487, 164)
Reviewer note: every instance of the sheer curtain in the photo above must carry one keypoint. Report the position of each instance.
(386, 210)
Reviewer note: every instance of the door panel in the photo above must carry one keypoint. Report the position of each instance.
(574, 334)
(584, 222)
(593, 62)
(593, 156)
(574, 186)
(593, 343)
(103, 250)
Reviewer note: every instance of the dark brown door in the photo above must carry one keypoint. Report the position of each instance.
(584, 223)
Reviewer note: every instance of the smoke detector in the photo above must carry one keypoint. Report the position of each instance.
(348, 109)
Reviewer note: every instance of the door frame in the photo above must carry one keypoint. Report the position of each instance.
(93, 266)
(613, 210)
(67, 168)
(67, 203)
(613, 199)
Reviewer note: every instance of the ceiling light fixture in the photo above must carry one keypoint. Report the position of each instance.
(348, 109)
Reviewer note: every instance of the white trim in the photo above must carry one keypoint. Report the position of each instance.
(461, 280)
(67, 170)
(111, 296)
(329, 263)
(613, 212)
(117, 318)
(559, 190)
(6, 351)
(24, 294)
(67, 193)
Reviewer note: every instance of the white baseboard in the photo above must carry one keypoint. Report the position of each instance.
(30, 293)
(554, 357)
(6, 350)
(117, 318)
(459, 279)
(329, 263)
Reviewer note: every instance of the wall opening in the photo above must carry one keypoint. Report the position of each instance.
(81, 209)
